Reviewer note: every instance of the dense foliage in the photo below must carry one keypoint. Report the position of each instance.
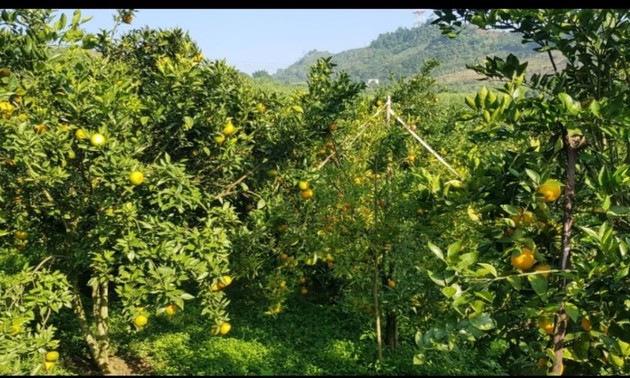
(165, 209)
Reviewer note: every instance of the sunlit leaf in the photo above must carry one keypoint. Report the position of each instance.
(482, 322)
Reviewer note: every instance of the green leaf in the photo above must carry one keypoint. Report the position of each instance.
(606, 203)
(453, 249)
(419, 359)
(533, 175)
(186, 296)
(621, 273)
(594, 108)
(486, 116)
(488, 267)
(573, 107)
(477, 306)
(62, 22)
(482, 321)
(590, 233)
(442, 278)
(487, 296)
(188, 123)
(297, 108)
(467, 259)
(449, 291)
(539, 284)
(436, 251)
(510, 209)
(470, 102)
(572, 311)
(581, 347)
(624, 348)
(483, 93)
(515, 281)
(618, 211)
(261, 203)
(76, 16)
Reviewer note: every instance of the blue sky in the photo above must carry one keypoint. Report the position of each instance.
(266, 39)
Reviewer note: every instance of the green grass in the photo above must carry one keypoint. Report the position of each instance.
(305, 339)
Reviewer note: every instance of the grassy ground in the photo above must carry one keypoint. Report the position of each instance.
(305, 339)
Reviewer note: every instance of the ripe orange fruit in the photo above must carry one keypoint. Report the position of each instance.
(48, 365)
(219, 138)
(586, 324)
(225, 281)
(41, 128)
(136, 177)
(550, 189)
(197, 57)
(282, 284)
(15, 329)
(215, 287)
(391, 283)
(306, 194)
(524, 260)
(140, 320)
(171, 309)
(523, 218)
(543, 268)
(229, 128)
(303, 185)
(97, 140)
(80, 134)
(127, 19)
(21, 235)
(52, 356)
(542, 362)
(225, 328)
(546, 325)
(332, 127)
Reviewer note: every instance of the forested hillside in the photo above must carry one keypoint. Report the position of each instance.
(404, 52)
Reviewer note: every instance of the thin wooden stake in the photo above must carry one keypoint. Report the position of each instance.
(426, 145)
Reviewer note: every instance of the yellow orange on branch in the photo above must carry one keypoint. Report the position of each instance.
(550, 190)
(523, 260)
(546, 325)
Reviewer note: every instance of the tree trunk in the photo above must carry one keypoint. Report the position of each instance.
(93, 344)
(391, 331)
(571, 146)
(100, 293)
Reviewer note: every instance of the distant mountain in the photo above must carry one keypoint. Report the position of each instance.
(404, 51)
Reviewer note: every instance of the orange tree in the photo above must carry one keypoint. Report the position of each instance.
(276, 241)
(544, 300)
(109, 185)
(340, 223)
